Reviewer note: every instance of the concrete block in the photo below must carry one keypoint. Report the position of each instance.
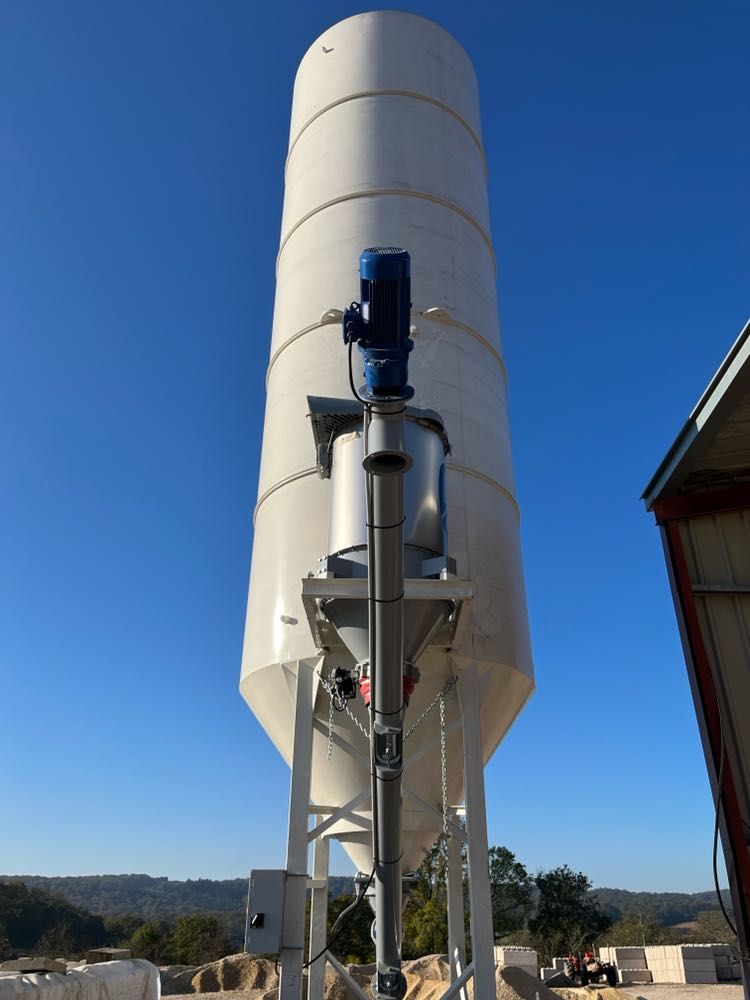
(521, 958)
(96, 955)
(636, 976)
(701, 977)
(695, 950)
(699, 964)
(627, 954)
(23, 965)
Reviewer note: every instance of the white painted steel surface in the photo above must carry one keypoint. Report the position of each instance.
(423, 528)
(385, 148)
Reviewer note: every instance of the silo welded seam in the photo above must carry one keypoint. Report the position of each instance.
(451, 466)
(399, 193)
(466, 471)
(414, 95)
(283, 482)
(443, 321)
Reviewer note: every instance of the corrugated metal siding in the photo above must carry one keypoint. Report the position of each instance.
(730, 448)
(717, 549)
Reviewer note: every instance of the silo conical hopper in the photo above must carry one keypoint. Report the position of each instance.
(385, 148)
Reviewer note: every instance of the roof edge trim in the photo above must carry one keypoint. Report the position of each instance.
(729, 369)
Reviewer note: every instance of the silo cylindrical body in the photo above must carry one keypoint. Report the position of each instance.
(386, 149)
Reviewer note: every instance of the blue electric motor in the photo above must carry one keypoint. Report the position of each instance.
(379, 323)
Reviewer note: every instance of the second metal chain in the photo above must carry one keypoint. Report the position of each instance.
(439, 699)
(330, 726)
(444, 762)
(441, 694)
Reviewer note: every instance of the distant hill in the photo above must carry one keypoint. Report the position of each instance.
(148, 897)
(668, 907)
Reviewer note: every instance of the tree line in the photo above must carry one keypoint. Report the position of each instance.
(151, 897)
(35, 922)
(554, 911)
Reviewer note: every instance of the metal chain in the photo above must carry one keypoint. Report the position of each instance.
(357, 723)
(329, 688)
(444, 763)
(441, 694)
(330, 727)
(439, 699)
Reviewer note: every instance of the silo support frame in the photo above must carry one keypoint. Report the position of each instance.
(318, 915)
(295, 886)
(482, 967)
(456, 924)
(480, 895)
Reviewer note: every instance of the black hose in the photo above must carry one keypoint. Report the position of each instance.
(717, 806)
(352, 386)
(335, 934)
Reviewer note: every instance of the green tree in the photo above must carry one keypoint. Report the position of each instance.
(58, 942)
(5, 949)
(354, 944)
(426, 919)
(425, 916)
(197, 939)
(27, 915)
(150, 941)
(639, 928)
(567, 915)
(512, 892)
(426, 928)
(712, 928)
(120, 929)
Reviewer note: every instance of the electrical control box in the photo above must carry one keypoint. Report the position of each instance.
(265, 911)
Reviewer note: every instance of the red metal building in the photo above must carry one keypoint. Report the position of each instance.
(700, 496)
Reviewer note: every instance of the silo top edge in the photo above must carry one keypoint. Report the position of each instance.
(391, 12)
(385, 52)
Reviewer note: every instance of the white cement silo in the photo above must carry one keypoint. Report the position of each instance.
(385, 148)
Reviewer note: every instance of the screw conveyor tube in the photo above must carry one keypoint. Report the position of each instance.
(385, 463)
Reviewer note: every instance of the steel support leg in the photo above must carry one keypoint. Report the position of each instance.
(293, 931)
(316, 974)
(480, 897)
(456, 925)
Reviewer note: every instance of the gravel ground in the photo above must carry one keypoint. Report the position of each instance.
(224, 995)
(686, 991)
(658, 991)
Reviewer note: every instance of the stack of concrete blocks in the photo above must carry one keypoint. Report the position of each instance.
(727, 967)
(549, 972)
(684, 963)
(630, 963)
(522, 958)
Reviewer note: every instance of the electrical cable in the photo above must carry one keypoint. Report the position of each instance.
(335, 934)
(717, 806)
(352, 386)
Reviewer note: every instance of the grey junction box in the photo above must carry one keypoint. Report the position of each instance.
(265, 909)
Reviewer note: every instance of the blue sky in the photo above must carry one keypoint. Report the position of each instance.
(141, 155)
